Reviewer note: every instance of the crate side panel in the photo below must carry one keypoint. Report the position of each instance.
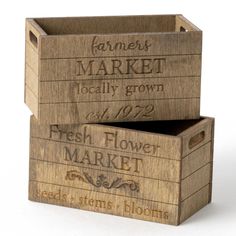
(195, 181)
(196, 160)
(196, 136)
(31, 80)
(32, 66)
(194, 203)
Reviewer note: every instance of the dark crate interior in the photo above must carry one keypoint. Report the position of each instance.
(173, 127)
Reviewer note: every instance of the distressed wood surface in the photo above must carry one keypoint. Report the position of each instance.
(101, 112)
(103, 203)
(62, 152)
(146, 69)
(127, 172)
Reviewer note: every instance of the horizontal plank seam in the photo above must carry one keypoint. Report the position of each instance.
(196, 149)
(116, 172)
(126, 78)
(195, 192)
(123, 100)
(160, 55)
(107, 149)
(196, 170)
(60, 185)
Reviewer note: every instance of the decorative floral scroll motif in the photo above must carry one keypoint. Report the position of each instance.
(102, 181)
(73, 174)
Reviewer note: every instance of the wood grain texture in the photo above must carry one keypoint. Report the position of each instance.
(182, 24)
(88, 179)
(172, 43)
(196, 159)
(195, 181)
(114, 91)
(195, 202)
(127, 172)
(103, 203)
(145, 69)
(72, 69)
(32, 65)
(151, 167)
(109, 110)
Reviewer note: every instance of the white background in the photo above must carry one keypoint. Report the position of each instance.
(18, 216)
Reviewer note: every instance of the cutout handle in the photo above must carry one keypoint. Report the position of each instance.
(196, 139)
(33, 39)
(182, 29)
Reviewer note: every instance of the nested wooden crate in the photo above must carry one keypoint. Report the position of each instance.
(103, 69)
(155, 171)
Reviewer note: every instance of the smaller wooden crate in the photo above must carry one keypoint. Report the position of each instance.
(111, 69)
(155, 171)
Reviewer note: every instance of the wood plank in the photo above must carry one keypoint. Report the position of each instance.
(196, 136)
(102, 202)
(140, 165)
(194, 203)
(114, 90)
(160, 44)
(111, 138)
(196, 160)
(104, 182)
(114, 67)
(212, 154)
(107, 24)
(195, 181)
(31, 80)
(31, 58)
(80, 112)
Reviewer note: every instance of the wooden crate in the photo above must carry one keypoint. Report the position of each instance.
(110, 69)
(158, 171)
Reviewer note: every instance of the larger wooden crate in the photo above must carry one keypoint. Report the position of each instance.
(109, 69)
(155, 171)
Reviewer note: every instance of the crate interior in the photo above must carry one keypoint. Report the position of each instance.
(109, 24)
(173, 127)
